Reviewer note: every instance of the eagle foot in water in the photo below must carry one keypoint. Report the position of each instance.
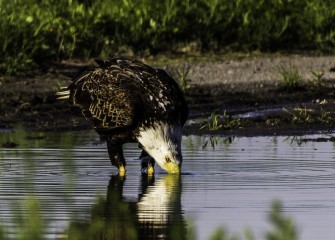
(147, 164)
(116, 157)
(122, 171)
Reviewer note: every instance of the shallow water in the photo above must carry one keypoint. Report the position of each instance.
(225, 182)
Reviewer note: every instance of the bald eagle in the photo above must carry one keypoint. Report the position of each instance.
(128, 101)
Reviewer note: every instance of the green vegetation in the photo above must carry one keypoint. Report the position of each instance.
(213, 123)
(28, 222)
(320, 114)
(225, 121)
(273, 121)
(317, 77)
(302, 115)
(283, 227)
(33, 33)
(30, 225)
(180, 74)
(290, 77)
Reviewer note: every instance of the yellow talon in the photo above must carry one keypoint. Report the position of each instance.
(151, 170)
(122, 171)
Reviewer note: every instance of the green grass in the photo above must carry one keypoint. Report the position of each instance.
(304, 115)
(283, 227)
(317, 77)
(213, 123)
(290, 76)
(30, 226)
(33, 32)
(28, 223)
(225, 121)
(180, 74)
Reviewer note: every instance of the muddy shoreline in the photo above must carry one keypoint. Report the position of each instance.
(231, 86)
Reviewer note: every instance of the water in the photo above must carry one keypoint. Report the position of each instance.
(231, 184)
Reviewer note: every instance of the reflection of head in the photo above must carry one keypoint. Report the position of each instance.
(159, 210)
(158, 201)
(156, 215)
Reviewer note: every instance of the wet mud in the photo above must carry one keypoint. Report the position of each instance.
(31, 101)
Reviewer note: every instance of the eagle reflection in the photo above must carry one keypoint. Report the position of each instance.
(156, 214)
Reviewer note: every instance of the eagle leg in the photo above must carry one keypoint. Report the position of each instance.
(147, 163)
(116, 157)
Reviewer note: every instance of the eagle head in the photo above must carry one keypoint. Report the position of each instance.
(162, 141)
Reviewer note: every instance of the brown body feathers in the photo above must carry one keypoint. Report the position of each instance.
(122, 95)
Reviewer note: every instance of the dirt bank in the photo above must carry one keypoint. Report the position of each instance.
(222, 84)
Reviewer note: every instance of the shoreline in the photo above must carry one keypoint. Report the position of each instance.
(232, 86)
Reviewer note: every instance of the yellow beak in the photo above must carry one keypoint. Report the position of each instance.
(172, 168)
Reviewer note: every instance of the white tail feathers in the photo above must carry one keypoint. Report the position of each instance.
(64, 93)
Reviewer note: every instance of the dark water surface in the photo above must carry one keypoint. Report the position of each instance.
(231, 185)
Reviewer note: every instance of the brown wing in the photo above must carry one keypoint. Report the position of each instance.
(175, 94)
(155, 82)
(106, 96)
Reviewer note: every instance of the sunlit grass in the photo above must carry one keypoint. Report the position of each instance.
(33, 33)
(305, 115)
(290, 77)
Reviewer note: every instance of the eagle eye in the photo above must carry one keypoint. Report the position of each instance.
(167, 159)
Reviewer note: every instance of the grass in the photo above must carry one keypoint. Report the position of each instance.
(28, 222)
(213, 123)
(304, 115)
(290, 76)
(180, 74)
(33, 34)
(225, 121)
(319, 115)
(273, 121)
(30, 226)
(317, 77)
(283, 227)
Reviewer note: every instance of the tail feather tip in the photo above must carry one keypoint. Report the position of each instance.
(63, 94)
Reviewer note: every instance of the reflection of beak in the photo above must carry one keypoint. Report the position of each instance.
(157, 204)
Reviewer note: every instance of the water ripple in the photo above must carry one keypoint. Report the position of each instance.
(231, 184)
